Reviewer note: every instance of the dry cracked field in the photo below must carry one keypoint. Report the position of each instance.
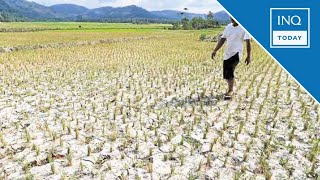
(151, 108)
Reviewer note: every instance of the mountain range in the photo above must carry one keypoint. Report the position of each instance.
(31, 11)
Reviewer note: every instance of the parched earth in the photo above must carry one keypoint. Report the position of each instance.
(152, 108)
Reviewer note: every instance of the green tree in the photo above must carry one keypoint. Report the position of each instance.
(175, 25)
(185, 24)
(217, 24)
(210, 16)
(210, 20)
(199, 23)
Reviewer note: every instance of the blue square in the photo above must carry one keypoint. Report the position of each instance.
(290, 28)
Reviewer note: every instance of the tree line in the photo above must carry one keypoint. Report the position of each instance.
(196, 23)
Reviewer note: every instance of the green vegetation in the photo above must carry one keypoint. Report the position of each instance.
(196, 23)
(34, 26)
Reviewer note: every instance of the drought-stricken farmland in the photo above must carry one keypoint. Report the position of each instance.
(151, 108)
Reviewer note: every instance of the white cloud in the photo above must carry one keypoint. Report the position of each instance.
(197, 6)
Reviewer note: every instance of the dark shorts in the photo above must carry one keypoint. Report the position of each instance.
(229, 67)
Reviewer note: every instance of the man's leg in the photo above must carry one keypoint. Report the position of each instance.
(229, 67)
(230, 85)
(231, 79)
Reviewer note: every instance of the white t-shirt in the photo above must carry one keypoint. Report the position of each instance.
(235, 36)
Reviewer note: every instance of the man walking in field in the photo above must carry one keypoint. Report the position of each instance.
(234, 35)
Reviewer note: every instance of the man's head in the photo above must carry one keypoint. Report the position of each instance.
(234, 23)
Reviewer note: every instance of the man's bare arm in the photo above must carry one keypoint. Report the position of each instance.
(219, 45)
(248, 59)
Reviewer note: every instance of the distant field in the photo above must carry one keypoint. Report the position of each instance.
(16, 26)
(48, 37)
(37, 33)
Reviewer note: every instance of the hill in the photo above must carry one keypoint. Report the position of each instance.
(68, 10)
(119, 13)
(22, 10)
(222, 17)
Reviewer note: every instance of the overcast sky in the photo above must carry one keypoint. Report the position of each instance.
(197, 6)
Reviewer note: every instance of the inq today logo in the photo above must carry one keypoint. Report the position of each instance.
(294, 20)
(290, 28)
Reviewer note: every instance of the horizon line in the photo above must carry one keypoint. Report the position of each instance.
(193, 12)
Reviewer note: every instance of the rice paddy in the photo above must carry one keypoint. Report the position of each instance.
(148, 106)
